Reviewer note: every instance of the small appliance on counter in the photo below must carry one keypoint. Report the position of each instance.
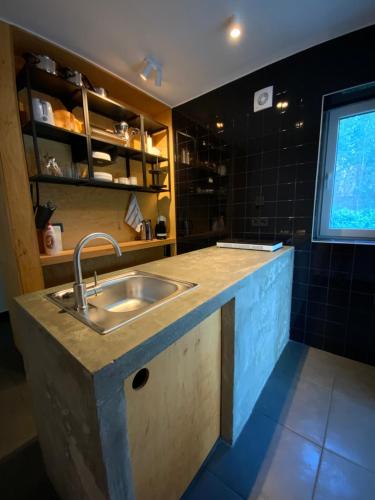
(42, 111)
(161, 228)
(266, 246)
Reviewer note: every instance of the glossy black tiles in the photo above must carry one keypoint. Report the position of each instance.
(271, 161)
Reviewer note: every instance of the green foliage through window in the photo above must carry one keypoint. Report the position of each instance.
(353, 201)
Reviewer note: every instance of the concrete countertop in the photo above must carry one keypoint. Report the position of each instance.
(219, 272)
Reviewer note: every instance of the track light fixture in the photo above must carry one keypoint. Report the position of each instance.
(152, 66)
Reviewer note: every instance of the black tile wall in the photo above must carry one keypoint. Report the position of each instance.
(271, 160)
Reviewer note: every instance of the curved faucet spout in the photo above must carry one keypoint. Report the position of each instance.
(79, 286)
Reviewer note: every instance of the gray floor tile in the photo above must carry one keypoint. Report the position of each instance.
(357, 381)
(302, 406)
(299, 361)
(267, 461)
(208, 487)
(351, 430)
(340, 479)
(16, 421)
(7, 379)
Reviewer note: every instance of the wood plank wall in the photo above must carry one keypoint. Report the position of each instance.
(18, 236)
(80, 209)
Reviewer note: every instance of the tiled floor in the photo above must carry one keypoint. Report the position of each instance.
(16, 422)
(22, 473)
(311, 436)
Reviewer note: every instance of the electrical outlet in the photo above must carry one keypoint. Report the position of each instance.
(259, 221)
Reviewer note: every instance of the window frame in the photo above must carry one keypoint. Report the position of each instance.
(324, 186)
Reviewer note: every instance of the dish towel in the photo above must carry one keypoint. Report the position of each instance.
(134, 215)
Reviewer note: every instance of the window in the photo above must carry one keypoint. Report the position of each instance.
(345, 190)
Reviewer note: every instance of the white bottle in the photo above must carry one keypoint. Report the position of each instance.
(149, 144)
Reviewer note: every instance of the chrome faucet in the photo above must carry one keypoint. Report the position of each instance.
(79, 287)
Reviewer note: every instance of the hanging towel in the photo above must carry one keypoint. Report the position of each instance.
(134, 215)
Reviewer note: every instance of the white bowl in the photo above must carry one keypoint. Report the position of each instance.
(103, 176)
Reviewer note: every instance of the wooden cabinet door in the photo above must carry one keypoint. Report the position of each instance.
(174, 418)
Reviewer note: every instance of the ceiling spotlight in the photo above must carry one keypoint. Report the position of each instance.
(234, 28)
(152, 66)
(147, 70)
(235, 32)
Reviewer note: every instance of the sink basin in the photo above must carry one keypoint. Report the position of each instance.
(115, 302)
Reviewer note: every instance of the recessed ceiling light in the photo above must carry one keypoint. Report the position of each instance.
(235, 31)
(234, 27)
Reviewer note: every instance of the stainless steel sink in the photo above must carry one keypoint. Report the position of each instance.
(113, 303)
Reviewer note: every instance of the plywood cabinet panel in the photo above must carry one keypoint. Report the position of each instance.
(174, 419)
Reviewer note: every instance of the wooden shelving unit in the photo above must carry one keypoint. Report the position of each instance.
(82, 145)
(100, 250)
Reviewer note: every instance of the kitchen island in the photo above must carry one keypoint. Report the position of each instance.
(134, 413)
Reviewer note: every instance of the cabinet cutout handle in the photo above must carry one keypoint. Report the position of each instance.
(140, 379)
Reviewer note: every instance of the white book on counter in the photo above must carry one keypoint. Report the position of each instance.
(266, 246)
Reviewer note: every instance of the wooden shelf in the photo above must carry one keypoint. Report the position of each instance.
(100, 250)
(53, 133)
(150, 125)
(115, 149)
(110, 108)
(50, 179)
(150, 158)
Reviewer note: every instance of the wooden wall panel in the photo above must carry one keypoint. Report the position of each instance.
(17, 224)
(174, 420)
(81, 210)
(86, 210)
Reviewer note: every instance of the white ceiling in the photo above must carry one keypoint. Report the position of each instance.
(187, 37)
